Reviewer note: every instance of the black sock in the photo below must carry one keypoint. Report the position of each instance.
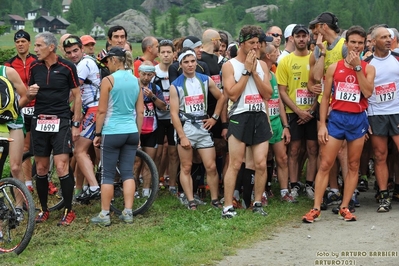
(309, 183)
(248, 185)
(240, 177)
(42, 190)
(384, 194)
(295, 184)
(67, 185)
(196, 175)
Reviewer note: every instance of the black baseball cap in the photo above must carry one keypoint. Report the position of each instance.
(298, 28)
(114, 51)
(264, 38)
(325, 17)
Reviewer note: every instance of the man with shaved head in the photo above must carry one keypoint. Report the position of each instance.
(62, 39)
(149, 46)
(210, 55)
(383, 111)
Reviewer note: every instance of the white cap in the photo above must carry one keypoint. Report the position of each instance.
(288, 30)
(391, 32)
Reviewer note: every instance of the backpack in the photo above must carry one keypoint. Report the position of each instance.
(9, 109)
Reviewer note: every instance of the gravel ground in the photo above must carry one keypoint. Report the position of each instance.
(371, 240)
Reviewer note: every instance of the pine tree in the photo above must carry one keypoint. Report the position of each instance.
(76, 14)
(56, 8)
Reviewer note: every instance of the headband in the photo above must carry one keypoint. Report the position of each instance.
(242, 38)
(184, 54)
(21, 34)
(146, 68)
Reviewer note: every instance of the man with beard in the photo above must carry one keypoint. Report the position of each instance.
(292, 77)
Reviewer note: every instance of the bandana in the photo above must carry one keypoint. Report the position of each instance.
(145, 68)
(243, 38)
(182, 55)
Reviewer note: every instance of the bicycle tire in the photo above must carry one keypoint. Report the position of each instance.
(143, 204)
(56, 202)
(12, 225)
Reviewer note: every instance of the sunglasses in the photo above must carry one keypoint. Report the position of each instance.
(165, 42)
(20, 35)
(275, 34)
(71, 41)
(216, 39)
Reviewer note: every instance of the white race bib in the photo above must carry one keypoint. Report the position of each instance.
(385, 92)
(304, 97)
(273, 105)
(48, 125)
(347, 92)
(28, 110)
(194, 104)
(254, 103)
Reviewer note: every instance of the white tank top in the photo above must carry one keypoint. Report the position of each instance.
(250, 99)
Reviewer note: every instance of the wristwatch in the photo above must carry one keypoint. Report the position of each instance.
(154, 98)
(246, 73)
(75, 124)
(358, 68)
(215, 116)
(286, 126)
(97, 134)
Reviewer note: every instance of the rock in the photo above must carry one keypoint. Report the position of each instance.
(260, 12)
(136, 24)
(160, 5)
(194, 28)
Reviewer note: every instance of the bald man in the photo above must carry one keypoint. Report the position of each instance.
(60, 47)
(149, 47)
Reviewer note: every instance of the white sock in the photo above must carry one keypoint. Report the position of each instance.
(283, 192)
(226, 208)
(93, 188)
(335, 190)
(146, 192)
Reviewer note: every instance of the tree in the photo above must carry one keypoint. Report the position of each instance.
(248, 19)
(76, 13)
(230, 19)
(17, 9)
(88, 22)
(240, 12)
(193, 6)
(47, 4)
(5, 54)
(173, 16)
(153, 18)
(73, 28)
(56, 8)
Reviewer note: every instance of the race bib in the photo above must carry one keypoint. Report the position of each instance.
(167, 101)
(254, 103)
(149, 111)
(304, 97)
(48, 125)
(194, 104)
(348, 92)
(28, 110)
(385, 92)
(216, 79)
(273, 105)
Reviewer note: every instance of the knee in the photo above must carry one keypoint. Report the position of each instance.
(312, 151)
(185, 168)
(380, 157)
(260, 165)
(211, 168)
(15, 168)
(325, 166)
(294, 151)
(353, 166)
(282, 160)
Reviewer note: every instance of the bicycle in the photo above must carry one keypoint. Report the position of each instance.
(146, 176)
(16, 226)
(55, 201)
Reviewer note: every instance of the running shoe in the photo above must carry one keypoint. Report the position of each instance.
(216, 203)
(345, 213)
(198, 200)
(20, 214)
(355, 199)
(30, 188)
(67, 218)
(42, 216)
(309, 192)
(126, 217)
(334, 198)
(288, 198)
(183, 199)
(363, 184)
(385, 205)
(351, 207)
(89, 194)
(52, 189)
(295, 191)
(258, 209)
(311, 216)
(101, 220)
(230, 213)
(192, 205)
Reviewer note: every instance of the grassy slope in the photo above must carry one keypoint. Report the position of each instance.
(168, 234)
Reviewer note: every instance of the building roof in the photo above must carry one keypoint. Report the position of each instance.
(51, 18)
(66, 2)
(64, 21)
(35, 10)
(16, 17)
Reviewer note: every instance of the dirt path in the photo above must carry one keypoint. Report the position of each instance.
(330, 241)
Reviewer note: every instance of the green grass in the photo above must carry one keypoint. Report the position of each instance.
(168, 234)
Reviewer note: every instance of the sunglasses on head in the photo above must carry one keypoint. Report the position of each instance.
(71, 41)
(275, 34)
(165, 42)
(20, 35)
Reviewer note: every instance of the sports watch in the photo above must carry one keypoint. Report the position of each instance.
(215, 117)
(75, 124)
(357, 68)
(246, 73)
